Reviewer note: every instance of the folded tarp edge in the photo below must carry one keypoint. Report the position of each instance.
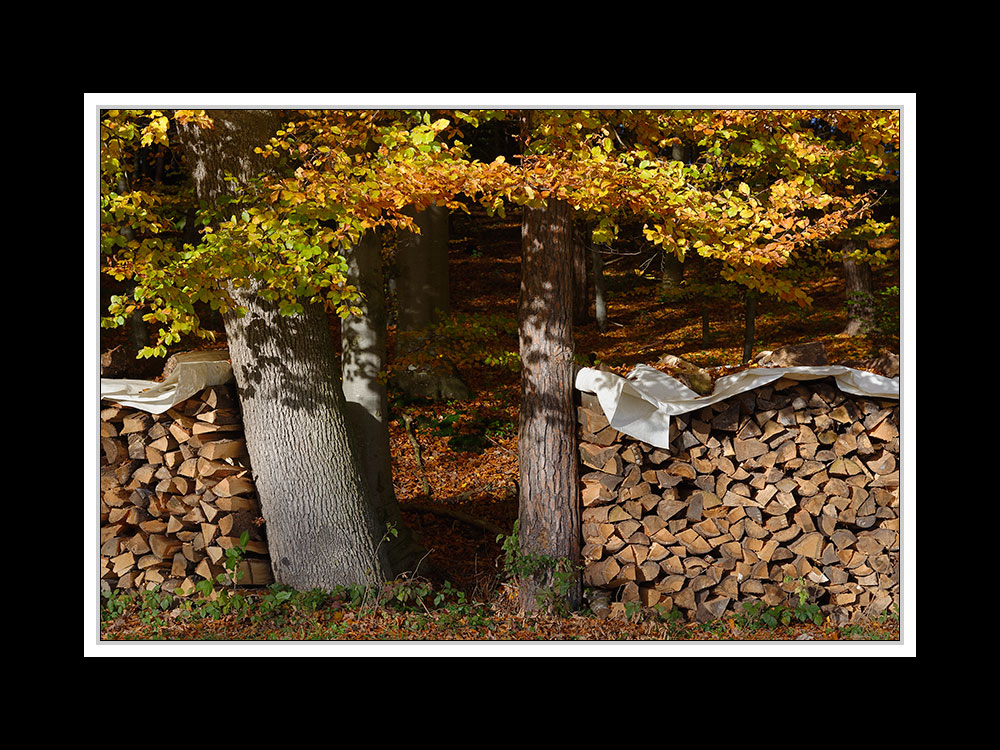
(193, 373)
(640, 405)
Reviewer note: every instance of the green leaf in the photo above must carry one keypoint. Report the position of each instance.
(290, 308)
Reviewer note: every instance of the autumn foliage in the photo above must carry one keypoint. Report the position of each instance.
(764, 189)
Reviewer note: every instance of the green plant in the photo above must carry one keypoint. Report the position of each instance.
(211, 604)
(889, 616)
(804, 610)
(562, 570)
(633, 611)
(880, 313)
(150, 606)
(153, 604)
(234, 556)
(755, 615)
(672, 615)
(116, 603)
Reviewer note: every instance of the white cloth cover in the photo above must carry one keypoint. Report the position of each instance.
(194, 372)
(641, 404)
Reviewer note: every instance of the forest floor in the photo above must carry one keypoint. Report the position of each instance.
(468, 458)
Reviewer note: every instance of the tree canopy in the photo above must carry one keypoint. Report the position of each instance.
(764, 189)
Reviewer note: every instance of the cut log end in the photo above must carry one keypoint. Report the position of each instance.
(176, 491)
(786, 491)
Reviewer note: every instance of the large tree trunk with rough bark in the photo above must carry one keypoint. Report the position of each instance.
(363, 369)
(321, 525)
(549, 513)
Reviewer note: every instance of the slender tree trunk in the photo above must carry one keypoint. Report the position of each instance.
(671, 267)
(422, 285)
(860, 312)
(363, 370)
(600, 300)
(549, 513)
(749, 324)
(671, 273)
(581, 294)
(138, 335)
(422, 296)
(320, 521)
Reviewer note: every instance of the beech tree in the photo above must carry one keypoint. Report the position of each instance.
(364, 364)
(321, 523)
(422, 301)
(283, 200)
(756, 197)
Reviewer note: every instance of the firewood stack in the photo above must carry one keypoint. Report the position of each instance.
(789, 489)
(176, 493)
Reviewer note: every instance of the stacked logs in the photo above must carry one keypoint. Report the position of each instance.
(790, 490)
(176, 493)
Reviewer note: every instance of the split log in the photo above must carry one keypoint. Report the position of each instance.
(793, 484)
(176, 491)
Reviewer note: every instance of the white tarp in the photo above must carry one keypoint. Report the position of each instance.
(641, 404)
(194, 372)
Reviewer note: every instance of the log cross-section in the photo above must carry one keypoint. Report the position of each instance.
(176, 491)
(786, 492)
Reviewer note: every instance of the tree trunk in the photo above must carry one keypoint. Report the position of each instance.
(749, 324)
(860, 312)
(549, 513)
(671, 267)
(671, 273)
(422, 296)
(600, 299)
(321, 524)
(320, 521)
(363, 368)
(581, 294)
(422, 286)
(138, 334)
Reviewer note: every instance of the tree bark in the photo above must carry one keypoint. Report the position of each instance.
(422, 286)
(319, 517)
(581, 294)
(749, 324)
(321, 524)
(860, 312)
(363, 371)
(600, 298)
(422, 296)
(671, 273)
(671, 267)
(549, 512)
